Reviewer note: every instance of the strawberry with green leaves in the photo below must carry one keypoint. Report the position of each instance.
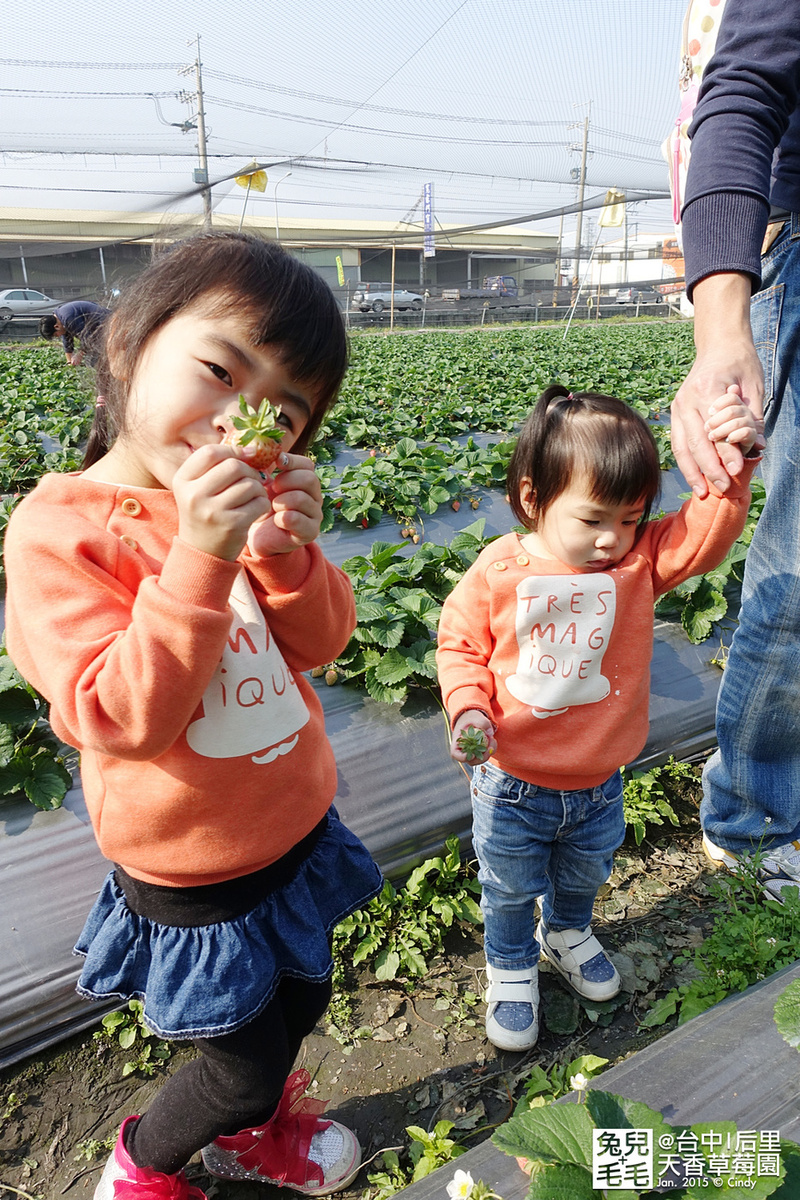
(473, 743)
(258, 434)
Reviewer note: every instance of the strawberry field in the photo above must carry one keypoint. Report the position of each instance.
(413, 462)
(425, 425)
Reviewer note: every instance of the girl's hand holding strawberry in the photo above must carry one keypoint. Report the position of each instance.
(473, 738)
(296, 500)
(219, 497)
(295, 515)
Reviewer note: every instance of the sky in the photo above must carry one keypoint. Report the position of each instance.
(353, 105)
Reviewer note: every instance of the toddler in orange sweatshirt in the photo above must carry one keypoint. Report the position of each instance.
(544, 647)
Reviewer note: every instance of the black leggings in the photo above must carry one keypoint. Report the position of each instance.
(235, 1084)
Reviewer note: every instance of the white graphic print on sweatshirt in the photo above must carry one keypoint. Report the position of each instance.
(563, 626)
(252, 704)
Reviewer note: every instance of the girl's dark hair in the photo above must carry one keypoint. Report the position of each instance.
(587, 434)
(291, 308)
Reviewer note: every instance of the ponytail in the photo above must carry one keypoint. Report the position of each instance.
(589, 434)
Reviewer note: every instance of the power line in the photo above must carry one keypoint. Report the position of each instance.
(89, 66)
(61, 95)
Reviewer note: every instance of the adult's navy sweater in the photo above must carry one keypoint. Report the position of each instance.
(745, 139)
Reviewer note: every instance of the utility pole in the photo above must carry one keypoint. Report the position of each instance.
(201, 174)
(576, 275)
(557, 263)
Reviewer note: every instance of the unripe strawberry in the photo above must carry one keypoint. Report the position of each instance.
(473, 742)
(331, 677)
(258, 434)
(317, 672)
(456, 505)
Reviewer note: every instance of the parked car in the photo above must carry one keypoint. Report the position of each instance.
(633, 295)
(25, 302)
(376, 297)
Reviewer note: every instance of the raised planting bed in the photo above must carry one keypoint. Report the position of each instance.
(728, 1064)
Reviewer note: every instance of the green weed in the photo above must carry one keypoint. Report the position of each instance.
(647, 795)
(91, 1148)
(543, 1087)
(10, 1105)
(753, 936)
(400, 931)
(129, 1031)
(426, 1153)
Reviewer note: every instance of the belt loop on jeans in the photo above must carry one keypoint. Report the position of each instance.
(795, 223)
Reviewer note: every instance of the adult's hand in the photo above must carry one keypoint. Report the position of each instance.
(725, 356)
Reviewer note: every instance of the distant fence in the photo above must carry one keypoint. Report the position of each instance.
(438, 316)
(27, 330)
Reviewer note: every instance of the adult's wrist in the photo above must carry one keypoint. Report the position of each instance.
(722, 310)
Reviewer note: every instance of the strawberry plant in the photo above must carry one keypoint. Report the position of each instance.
(128, 1029)
(705, 599)
(787, 1014)
(543, 1087)
(30, 758)
(398, 602)
(556, 1144)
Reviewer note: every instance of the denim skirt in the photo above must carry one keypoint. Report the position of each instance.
(207, 980)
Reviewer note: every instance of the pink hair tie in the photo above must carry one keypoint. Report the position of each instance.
(100, 402)
(570, 396)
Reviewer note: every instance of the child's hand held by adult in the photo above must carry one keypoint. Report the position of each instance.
(467, 745)
(219, 497)
(731, 421)
(295, 496)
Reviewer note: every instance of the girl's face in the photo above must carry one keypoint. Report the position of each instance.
(185, 390)
(579, 531)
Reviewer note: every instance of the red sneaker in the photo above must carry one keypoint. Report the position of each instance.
(123, 1180)
(294, 1148)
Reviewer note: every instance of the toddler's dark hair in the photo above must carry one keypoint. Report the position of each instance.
(587, 434)
(290, 306)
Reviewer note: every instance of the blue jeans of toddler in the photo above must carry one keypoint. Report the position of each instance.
(530, 842)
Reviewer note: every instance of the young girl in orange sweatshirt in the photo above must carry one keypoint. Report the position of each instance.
(166, 600)
(544, 647)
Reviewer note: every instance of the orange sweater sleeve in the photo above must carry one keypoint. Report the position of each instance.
(124, 662)
(697, 537)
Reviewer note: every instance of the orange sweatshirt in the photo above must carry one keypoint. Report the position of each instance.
(559, 659)
(177, 676)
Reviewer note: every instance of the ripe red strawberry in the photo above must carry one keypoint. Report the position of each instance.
(258, 432)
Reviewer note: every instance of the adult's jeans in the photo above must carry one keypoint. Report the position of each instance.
(531, 841)
(752, 784)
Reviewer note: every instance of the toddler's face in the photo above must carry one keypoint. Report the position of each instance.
(186, 387)
(582, 533)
